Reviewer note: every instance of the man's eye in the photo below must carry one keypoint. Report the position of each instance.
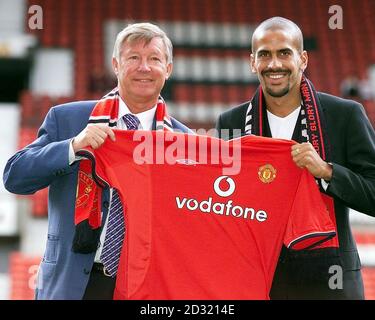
(285, 53)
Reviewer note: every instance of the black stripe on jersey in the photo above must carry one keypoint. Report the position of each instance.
(105, 121)
(98, 120)
(326, 235)
(88, 155)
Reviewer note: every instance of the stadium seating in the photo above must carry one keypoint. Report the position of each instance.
(211, 53)
(204, 26)
(212, 46)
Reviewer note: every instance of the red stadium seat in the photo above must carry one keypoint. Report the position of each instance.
(23, 272)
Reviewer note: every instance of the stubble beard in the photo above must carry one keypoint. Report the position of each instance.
(279, 93)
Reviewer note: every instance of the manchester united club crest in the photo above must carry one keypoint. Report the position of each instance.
(267, 173)
(84, 188)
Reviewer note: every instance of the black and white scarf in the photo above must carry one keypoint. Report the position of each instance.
(313, 130)
(312, 118)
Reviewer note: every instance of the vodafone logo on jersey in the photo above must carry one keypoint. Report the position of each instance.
(221, 192)
(223, 186)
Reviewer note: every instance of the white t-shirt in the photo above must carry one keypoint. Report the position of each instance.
(282, 128)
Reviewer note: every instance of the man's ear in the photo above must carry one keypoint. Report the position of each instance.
(252, 63)
(115, 65)
(304, 60)
(169, 71)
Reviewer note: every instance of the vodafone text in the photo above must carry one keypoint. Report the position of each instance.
(223, 186)
(227, 209)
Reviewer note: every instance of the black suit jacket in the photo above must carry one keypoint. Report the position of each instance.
(352, 144)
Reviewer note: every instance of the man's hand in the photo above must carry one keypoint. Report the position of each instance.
(93, 135)
(305, 156)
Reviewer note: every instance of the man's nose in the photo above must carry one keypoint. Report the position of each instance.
(144, 66)
(275, 63)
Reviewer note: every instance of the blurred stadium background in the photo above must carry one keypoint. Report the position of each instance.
(69, 59)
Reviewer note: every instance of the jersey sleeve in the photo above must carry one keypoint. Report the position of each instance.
(94, 166)
(89, 190)
(309, 222)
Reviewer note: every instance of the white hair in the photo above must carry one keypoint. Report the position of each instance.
(142, 31)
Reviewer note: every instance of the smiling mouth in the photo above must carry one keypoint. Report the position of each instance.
(275, 73)
(143, 80)
(275, 76)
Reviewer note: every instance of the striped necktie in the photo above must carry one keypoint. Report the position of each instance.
(114, 237)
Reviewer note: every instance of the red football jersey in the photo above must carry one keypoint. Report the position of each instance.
(193, 232)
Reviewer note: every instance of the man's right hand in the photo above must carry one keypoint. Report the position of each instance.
(93, 135)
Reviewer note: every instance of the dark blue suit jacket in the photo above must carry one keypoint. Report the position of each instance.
(63, 274)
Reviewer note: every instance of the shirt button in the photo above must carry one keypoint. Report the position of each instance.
(86, 271)
(105, 204)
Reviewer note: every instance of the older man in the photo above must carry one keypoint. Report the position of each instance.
(73, 265)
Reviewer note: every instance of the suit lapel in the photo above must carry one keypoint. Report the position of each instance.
(297, 133)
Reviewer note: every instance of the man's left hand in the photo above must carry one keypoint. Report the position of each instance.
(305, 156)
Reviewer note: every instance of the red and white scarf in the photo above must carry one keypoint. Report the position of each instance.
(88, 218)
